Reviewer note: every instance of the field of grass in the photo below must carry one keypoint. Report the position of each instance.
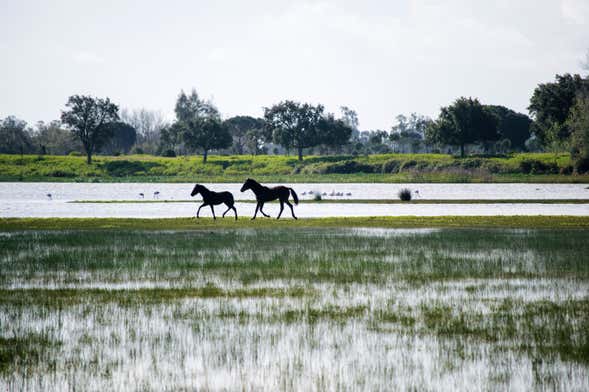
(400, 168)
(307, 305)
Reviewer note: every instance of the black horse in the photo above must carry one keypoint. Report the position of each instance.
(264, 194)
(211, 198)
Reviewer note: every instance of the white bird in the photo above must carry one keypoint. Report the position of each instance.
(349, 194)
(49, 195)
(156, 194)
(304, 193)
(324, 194)
(141, 195)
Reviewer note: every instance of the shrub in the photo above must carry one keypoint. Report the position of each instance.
(124, 168)
(391, 166)
(534, 166)
(405, 194)
(317, 196)
(75, 154)
(169, 153)
(582, 165)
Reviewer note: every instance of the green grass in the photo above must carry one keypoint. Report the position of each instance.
(91, 301)
(387, 168)
(519, 221)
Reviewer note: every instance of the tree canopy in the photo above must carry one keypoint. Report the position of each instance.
(86, 117)
(512, 126)
(550, 106)
(123, 137)
(241, 129)
(200, 124)
(464, 122)
(294, 125)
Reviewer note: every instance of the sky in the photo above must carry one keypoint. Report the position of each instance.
(380, 58)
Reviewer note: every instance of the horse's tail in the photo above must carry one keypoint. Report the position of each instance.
(294, 195)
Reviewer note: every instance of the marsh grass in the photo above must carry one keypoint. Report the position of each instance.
(294, 308)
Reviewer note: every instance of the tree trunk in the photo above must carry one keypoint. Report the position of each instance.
(462, 151)
(300, 151)
(204, 156)
(88, 157)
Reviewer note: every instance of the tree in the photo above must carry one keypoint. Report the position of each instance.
(334, 132)
(123, 137)
(578, 123)
(239, 127)
(149, 125)
(512, 126)
(294, 125)
(201, 125)
(15, 136)
(56, 140)
(464, 122)
(86, 117)
(206, 133)
(409, 132)
(550, 106)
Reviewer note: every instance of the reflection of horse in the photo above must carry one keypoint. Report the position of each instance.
(264, 194)
(211, 198)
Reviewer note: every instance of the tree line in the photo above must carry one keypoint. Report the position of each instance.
(558, 121)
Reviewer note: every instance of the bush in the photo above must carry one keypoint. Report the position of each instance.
(169, 153)
(582, 165)
(405, 194)
(123, 168)
(317, 196)
(391, 166)
(534, 166)
(75, 154)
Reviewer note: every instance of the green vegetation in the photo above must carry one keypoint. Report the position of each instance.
(90, 304)
(520, 221)
(540, 167)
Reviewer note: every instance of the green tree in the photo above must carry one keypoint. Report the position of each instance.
(86, 117)
(56, 140)
(578, 123)
(550, 106)
(15, 136)
(294, 125)
(239, 127)
(464, 122)
(123, 137)
(201, 125)
(206, 133)
(512, 126)
(334, 132)
(409, 132)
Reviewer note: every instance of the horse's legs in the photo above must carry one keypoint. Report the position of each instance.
(234, 210)
(281, 209)
(228, 209)
(256, 213)
(291, 209)
(263, 213)
(212, 209)
(201, 206)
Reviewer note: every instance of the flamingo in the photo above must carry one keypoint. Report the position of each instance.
(156, 194)
(49, 196)
(141, 195)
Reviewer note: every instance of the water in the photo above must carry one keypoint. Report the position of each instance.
(31, 200)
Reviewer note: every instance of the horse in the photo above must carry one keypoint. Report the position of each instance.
(211, 198)
(264, 194)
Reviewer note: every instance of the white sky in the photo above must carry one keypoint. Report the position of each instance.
(381, 58)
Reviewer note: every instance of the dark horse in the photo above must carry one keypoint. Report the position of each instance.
(264, 194)
(211, 198)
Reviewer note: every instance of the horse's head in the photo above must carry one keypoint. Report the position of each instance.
(196, 190)
(247, 184)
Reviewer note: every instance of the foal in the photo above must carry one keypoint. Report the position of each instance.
(264, 194)
(211, 198)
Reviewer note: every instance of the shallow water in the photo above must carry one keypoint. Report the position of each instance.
(31, 200)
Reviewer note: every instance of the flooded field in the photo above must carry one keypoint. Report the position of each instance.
(55, 200)
(295, 309)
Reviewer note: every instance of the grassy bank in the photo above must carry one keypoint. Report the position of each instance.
(13, 224)
(391, 168)
(286, 309)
